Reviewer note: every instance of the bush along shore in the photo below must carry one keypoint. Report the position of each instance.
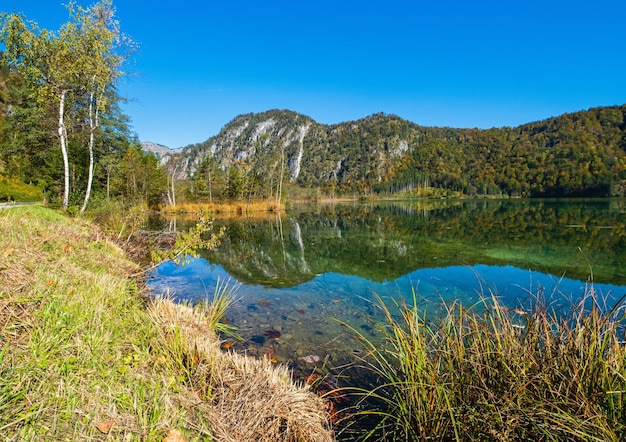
(85, 356)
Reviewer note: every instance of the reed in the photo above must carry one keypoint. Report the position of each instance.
(226, 208)
(489, 373)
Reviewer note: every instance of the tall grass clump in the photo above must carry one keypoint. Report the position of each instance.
(246, 399)
(493, 374)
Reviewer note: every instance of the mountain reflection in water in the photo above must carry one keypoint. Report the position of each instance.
(305, 274)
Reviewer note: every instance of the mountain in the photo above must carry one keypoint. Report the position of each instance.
(162, 152)
(580, 153)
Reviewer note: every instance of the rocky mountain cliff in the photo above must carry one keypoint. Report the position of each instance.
(162, 152)
(578, 153)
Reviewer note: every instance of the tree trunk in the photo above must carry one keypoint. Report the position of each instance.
(93, 123)
(108, 169)
(63, 139)
(174, 190)
(210, 190)
(171, 189)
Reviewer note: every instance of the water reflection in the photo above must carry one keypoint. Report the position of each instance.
(384, 242)
(306, 272)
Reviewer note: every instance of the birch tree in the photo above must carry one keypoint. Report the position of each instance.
(103, 60)
(49, 62)
(78, 62)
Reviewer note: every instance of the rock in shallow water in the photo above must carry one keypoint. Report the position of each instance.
(271, 334)
(258, 339)
(311, 359)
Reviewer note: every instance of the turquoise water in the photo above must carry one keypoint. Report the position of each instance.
(301, 276)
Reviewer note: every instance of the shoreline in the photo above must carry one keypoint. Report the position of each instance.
(85, 355)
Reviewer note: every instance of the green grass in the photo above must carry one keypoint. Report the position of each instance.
(15, 190)
(486, 373)
(84, 356)
(78, 347)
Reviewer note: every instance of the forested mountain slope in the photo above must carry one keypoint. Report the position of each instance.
(580, 153)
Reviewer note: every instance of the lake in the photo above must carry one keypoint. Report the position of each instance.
(303, 275)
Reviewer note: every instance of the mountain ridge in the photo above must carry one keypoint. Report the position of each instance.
(577, 152)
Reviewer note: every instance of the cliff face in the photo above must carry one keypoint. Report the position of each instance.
(269, 136)
(314, 153)
(578, 153)
(163, 153)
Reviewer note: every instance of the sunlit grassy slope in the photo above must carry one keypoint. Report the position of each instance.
(84, 357)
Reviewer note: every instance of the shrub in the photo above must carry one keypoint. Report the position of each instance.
(15, 190)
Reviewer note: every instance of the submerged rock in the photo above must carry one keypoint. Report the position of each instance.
(311, 359)
(258, 339)
(271, 334)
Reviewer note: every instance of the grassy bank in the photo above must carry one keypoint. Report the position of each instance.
(84, 357)
(15, 190)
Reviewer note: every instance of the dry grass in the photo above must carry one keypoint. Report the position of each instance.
(226, 208)
(250, 399)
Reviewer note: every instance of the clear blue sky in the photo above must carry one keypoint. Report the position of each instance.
(454, 63)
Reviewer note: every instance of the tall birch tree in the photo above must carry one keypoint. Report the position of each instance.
(50, 63)
(103, 60)
(77, 62)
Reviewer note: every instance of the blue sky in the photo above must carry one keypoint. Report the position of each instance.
(438, 63)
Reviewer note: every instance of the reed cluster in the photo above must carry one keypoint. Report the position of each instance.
(493, 374)
(225, 208)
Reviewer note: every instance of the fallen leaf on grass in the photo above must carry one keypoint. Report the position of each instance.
(175, 435)
(105, 427)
